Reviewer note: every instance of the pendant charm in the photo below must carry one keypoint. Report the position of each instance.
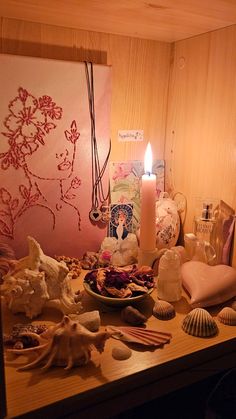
(105, 210)
(95, 215)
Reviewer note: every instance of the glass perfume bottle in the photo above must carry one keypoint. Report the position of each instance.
(204, 225)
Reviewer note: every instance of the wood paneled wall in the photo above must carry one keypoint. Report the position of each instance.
(188, 117)
(200, 147)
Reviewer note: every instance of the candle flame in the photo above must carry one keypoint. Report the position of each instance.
(148, 159)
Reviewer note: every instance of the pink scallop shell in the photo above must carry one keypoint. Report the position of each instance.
(139, 335)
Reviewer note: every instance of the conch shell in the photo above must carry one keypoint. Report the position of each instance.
(37, 281)
(67, 344)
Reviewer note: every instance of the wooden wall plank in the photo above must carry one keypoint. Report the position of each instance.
(162, 20)
(200, 143)
(140, 72)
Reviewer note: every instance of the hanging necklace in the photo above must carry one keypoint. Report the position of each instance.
(98, 209)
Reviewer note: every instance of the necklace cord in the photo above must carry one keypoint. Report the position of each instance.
(97, 172)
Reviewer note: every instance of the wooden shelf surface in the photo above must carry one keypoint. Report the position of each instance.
(106, 383)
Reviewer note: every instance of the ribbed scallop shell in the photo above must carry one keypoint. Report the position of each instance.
(234, 305)
(227, 316)
(163, 310)
(139, 335)
(199, 323)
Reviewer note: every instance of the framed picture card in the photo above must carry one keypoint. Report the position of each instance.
(125, 182)
(121, 220)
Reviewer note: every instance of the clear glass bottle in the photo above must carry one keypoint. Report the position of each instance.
(204, 225)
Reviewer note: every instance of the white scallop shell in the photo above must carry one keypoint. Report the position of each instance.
(199, 323)
(227, 316)
(163, 310)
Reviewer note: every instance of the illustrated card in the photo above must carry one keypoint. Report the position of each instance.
(121, 220)
(125, 183)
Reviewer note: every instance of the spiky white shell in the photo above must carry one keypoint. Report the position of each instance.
(227, 316)
(163, 310)
(66, 344)
(36, 281)
(199, 323)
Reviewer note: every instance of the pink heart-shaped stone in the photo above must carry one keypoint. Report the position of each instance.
(208, 285)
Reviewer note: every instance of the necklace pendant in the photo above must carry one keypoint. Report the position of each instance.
(95, 215)
(105, 210)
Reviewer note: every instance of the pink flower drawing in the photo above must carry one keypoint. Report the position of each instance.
(28, 122)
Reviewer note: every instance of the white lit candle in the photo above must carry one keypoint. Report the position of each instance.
(148, 205)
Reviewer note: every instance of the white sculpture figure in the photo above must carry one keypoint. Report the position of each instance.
(38, 280)
(169, 286)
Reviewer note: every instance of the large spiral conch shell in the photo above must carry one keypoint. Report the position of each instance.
(199, 323)
(67, 344)
(227, 316)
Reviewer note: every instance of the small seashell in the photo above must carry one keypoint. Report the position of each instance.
(163, 310)
(90, 319)
(90, 260)
(199, 323)
(234, 305)
(227, 316)
(132, 316)
(19, 336)
(121, 353)
(73, 264)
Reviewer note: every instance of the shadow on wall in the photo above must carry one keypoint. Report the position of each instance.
(56, 52)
